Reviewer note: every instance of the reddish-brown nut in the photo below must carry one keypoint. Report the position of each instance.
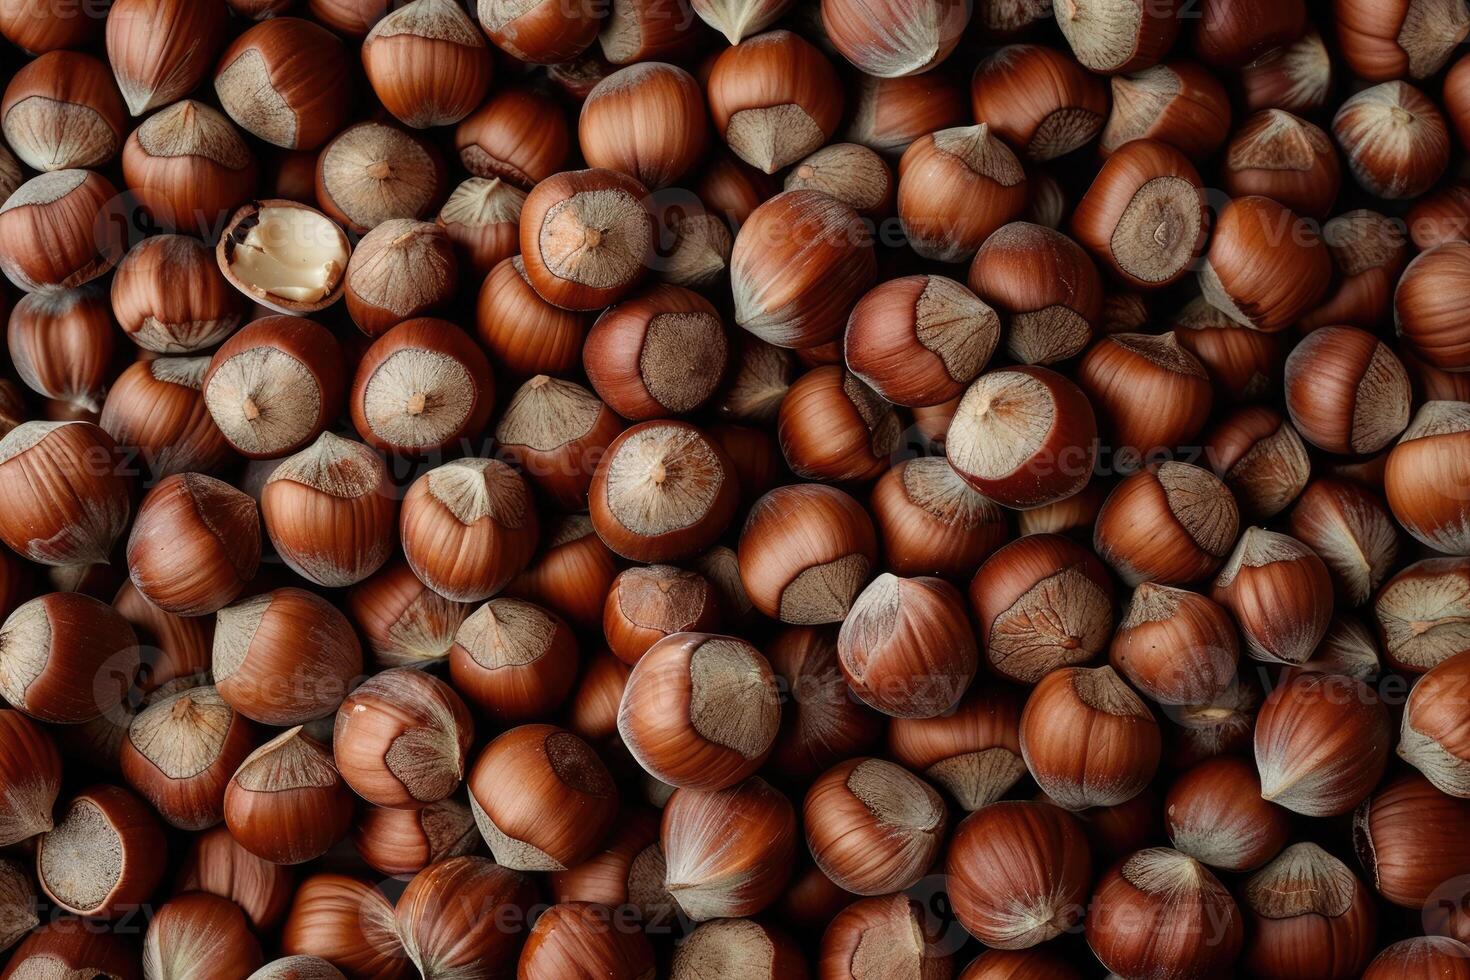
(663, 491)
(648, 121)
(829, 245)
(1151, 914)
(1010, 902)
(157, 408)
(873, 827)
(1423, 481)
(518, 135)
(285, 80)
(347, 923)
(645, 604)
(67, 498)
(195, 544)
(482, 217)
(1025, 964)
(1039, 100)
(850, 172)
(514, 660)
(189, 168)
(700, 711)
(66, 658)
(331, 511)
(1254, 234)
(218, 865)
(1152, 394)
(102, 859)
(1064, 746)
(658, 353)
(906, 646)
(890, 113)
(1261, 459)
(1041, 602)
(1321, 743)
(287, 802)
(932, 522)
(30, 778)
(176, 650)
(738, 947)
(542, 799)
(1177, 647)
(1429, 738)
(1296, 78)
(1280, 594)
(57, 229)
(1440, 216)
(1108, 36)
(428, 64)
(401, 739)
(1181, 104)
(284, 657)
(1307, 913)
(774, 98)
(1234, 33)
(401, 843)
(200, 935)
(1285, 158)
(805, 553)
(524, 334)
(955, 187)
(888, 41)
(586, 237)
(1422, 318)
(1171, 523)
(890, 936)
(821, 722)
(572, 573)
(1144, 215)
(1350, 529)
(1422, 956)
(159, 52)
(464, 914)
(973, 752)
(61, 111)
(60, 343)
(834, 427)
(728, 853)
(1383, 41)
(583, 937)
(1394, 138)
(1420, 614)
(169, 296)
(1407, 843)
(1215, 814)
(371, 173)
(1044, 286)
(1024, 437)
(1243, 365)
(557, 432)
(275, 386)
(401, 270)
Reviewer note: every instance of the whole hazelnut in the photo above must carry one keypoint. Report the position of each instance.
(873, 827)
(557, 432)
(67, 497)
(427, 63)
(648, 603)
(401, 270)
(1045, 288)
(1305, 910)
(890, 113)
(199, 934)
(1180, 103)
(159, 52)
(482, 218)
(348, 923)
(932, 522)
(586, 236)
(519, 135)
(180, 753)
(514, 660)
(525, 335)
(1038, 99)
(371, 173)
(421, 388)
(1406, 843)
(1418, 614)
(287, 802)
(1261, 459)
(1349, 527)
(61, 344)
(1421, 956)
(188, 167)
(657, 353)
(738, 871)
(402, 843)
(1394, 138)
(1297, 78)
(285, 80)
(1321, 743)
(169, 296)
(887, 40)
(1175, 646)
(1285, 158)
(30, 777)
(955, 187)
(624, 111)
(49, 230)
(974, 752)
(454, 915)
(1215, 814)
(404, 622)
(774, 98)
(889, 936)
(834, 427)
(63, 111)
(582, 936)
(1280, 594)
(195, 544)
(1170, 523)
(1421, 481)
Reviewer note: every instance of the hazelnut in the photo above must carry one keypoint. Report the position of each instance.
(663, 491)
(822, 723)
(216, 864)
(658, 353)
(1253, 233)
(805, 553)
(586, 237)
(1421, 956)
(401, 843)
(932, 522)
(1369, 251)
(67, 498)
(889, 936)
(629, 871)
(955, 187)
(1351, 530)
(1296, 78)
(1402, 37)
(1307, 910)
(55, 230)
(1045, 287)
(834, 427)
(274, 387)
(331, 512)
(739, 19)
(1285, 158)
(1406, 843)
(427, 63)
(482, 219)
(889, 41)
(1024, 437)
(46, 28)
(30, 778)
(1427, 327)
(592, 711)
(873, 827)
(890, 113)
(455, 914)
(525, 335)
(1428, 739)
(1394, 138)
(542, 798)
(62, 111)
(572, 573)
(1234, 33)
(737, 947)
(645, 30)
(1261, 459)
(624, 111)
(919, 340)
(102, 858)
(195, 544)
(1171, 524)
(1144, 215)
(159, 52)
(1419, 614)
(1321, 743)
(1111, 36)
(401, 270)
(736, 870)
(700, 711)
(1242, 364)
(1177, 647)
(17, 903)
(973, 752)
(774, 98)
(1041, 602)
(1162, 912)
(404, 622)
(513, 659)
(169, 296)
(285, 256)
(371, 173)
(906, 646)
(581, 936)
(1215, 814)
(60, 343)
(850, 172)
(1421, 479)
(347, 923)
(519, 135)
(285, 80)
(1279, 592)
(284, 657)
(1180, 103)
(1038, 99)
(287, 803)
(557, 432)
(647, 603)
(198, 934)
(420, 388)
(831, 247)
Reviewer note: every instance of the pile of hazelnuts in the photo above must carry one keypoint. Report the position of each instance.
(735, 490)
